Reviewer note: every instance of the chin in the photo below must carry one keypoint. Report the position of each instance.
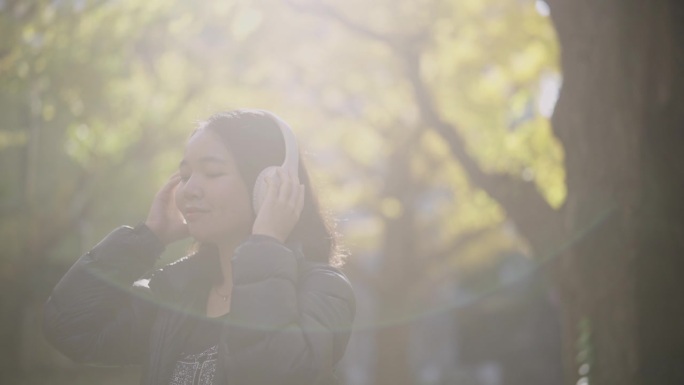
(199, 233)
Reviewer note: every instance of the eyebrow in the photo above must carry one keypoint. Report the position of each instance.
(205, 159)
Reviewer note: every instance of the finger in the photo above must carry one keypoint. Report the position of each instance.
(175, 180)
(294, 190)
(174, 176)
(300, 199)
(285, 186)
(295, 178)
(172, 181)
(166, 193)
(297, 191)
(271, 188)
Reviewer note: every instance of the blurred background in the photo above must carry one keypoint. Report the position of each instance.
(504, 173)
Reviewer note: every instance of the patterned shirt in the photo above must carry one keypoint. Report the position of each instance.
(196, 365)
(196, 369)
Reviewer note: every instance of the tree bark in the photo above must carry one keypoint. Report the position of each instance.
(660, 223)
(619, 116)
(399, 261)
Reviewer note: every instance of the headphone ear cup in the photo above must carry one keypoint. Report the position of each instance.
(260, 188)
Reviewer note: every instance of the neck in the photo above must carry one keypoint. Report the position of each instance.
(226, 250)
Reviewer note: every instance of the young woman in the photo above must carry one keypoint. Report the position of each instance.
(260, 301)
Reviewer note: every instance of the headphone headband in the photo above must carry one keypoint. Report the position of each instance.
(291, 161)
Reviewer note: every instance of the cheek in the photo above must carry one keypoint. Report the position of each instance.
(240, 204)
(234, 201)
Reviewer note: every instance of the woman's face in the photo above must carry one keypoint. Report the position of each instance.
(212, 196)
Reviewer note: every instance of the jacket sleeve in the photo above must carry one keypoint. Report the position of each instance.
(96, 314)
(289, 325)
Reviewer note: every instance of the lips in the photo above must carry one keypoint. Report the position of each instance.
(193, 213)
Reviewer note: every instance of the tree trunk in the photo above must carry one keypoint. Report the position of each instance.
(13, 305)
(619, 116)
(660, 224)
(399, 261)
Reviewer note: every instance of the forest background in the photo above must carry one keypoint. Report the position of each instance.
(505, 174)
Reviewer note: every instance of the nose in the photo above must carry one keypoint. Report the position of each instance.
(192, 189)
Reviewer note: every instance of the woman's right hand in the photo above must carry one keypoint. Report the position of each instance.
(164, 218)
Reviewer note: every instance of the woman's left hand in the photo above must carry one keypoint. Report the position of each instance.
(282, 206)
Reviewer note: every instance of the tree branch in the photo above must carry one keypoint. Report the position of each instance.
(536, 220)
(325, 10)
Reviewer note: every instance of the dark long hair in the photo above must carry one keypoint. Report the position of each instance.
(255, 141)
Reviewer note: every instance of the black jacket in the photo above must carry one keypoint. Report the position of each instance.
(290, 318)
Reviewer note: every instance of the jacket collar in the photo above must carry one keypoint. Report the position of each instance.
(196, 272)
(186, 276)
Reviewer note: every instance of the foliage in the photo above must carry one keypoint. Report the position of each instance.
(97, 98)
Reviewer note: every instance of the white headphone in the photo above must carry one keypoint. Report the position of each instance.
(291, 162)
